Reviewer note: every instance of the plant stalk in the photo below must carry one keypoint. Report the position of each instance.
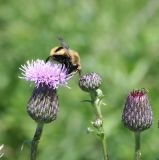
(35, 141)
(96, 103)
(137, 146)
(103, 141)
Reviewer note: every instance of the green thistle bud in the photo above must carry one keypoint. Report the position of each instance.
(43, 104)
(137, 114)
(98, 123)
(90, 81)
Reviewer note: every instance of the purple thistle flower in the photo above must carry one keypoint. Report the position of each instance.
(50, 74)
(43, 105)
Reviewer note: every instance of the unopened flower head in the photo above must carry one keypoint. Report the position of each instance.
(98, 123)
(137, 114)
(90, 81)
(50, 74)
(43, 104)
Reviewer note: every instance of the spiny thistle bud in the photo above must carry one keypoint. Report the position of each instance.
(90, 81)
(43, 104)
(137, 114)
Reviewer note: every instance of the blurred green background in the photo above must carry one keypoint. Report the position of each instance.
(117, 39)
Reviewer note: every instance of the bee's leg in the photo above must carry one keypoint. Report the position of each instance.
(47, 59)
(67, 64)
(64, 64)
(68, 67)
(74, 68)
(79, 72)
(71, 74)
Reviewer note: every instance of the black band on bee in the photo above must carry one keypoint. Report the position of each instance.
(58, 49)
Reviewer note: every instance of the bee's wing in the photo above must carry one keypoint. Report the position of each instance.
(64, 45)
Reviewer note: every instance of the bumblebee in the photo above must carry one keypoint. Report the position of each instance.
(67, 57)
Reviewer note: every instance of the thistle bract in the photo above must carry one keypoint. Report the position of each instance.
(90, 81)
(43, 104)
(137, 114)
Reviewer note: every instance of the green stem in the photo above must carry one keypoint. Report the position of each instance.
(35, 141)
(103, 140)
(137, 146)
(96, 105)
(96, 99)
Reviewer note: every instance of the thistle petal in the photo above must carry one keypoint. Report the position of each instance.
(51, 74)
